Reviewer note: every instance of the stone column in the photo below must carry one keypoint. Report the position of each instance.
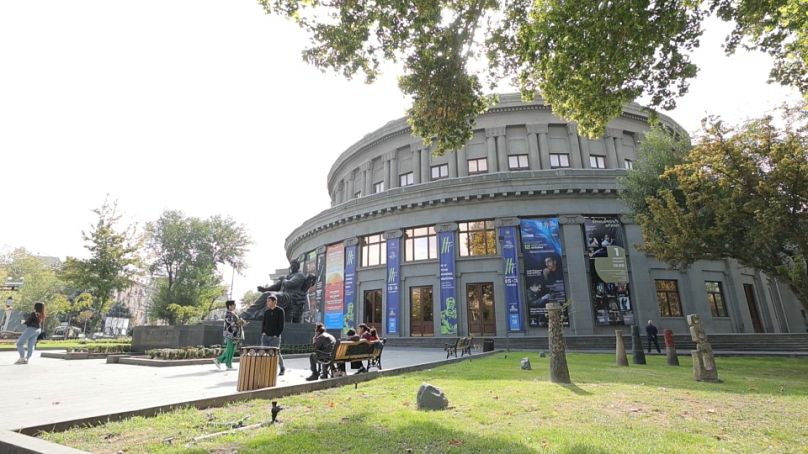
(394, 180)
(575, 147)
(544, 145)
(416, 163)
(491, 139)
(425, 154)
(368, 172)
(349, 185)
(576, 265)
(387, 177)
(620, 349)
(585, 152)
(611, 152)
(533, 147)
(502, 150)
(452, 157)
(462, 164)
(559, 372)
(733, 288)
(642, 286)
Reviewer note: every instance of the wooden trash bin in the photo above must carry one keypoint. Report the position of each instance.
(258, 368)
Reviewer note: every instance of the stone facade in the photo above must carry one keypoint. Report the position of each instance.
(535, 166)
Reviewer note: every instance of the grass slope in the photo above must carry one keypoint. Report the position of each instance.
(762, 406)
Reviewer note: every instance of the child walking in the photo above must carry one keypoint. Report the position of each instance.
(232, 334)
(33, 326)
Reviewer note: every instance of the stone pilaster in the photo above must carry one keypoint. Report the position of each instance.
(544, 145)
(491, 140)
(575, 147)
(582, 322)
(533, 147)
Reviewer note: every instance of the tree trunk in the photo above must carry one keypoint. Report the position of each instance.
(559, 373)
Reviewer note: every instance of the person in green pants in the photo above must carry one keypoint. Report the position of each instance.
(232, 334)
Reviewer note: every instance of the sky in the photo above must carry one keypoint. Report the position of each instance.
(207, 107)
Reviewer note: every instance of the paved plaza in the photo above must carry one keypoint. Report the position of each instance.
(53, 390)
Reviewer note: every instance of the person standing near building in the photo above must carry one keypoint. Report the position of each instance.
(652, 332)
(33, 327)
(272, 328)
(231, 333)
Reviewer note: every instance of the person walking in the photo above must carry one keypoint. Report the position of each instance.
(232, 334)
(272, 328)
(651, 331)
(33, 327)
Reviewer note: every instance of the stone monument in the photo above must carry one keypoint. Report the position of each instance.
(670, 348)
(703, 361)
(431, 398)
(559, 372)
(290, 291)
(637, 353)
(620, 349)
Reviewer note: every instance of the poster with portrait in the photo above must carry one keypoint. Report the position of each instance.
(334, 285)
(608, 271)
(544, 272)
(312, 314)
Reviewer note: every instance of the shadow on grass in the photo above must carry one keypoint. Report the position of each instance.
(358, 434)
(576, 389)
(755, 375)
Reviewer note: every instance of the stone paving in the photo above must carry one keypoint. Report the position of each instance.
(47, 390)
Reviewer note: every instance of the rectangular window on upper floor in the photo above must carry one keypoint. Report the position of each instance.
(667, 294)
(440, 171)
(420, 243)
(629, 164)
(559, 160)
(518, 162)
(378, 187)
(477, 238)
(374, 250)
(715, 299)
(405, 179)
(478, 166)
(597, 162)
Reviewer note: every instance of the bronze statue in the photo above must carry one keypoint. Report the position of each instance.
(290, 291)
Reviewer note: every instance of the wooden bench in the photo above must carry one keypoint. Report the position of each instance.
(349, 351)
(461, 344)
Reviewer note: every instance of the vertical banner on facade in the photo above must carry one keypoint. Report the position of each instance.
(319, 288)
(448, 291)
(393, 291)
(350, 289)
(334, 285)
(544, 272)
(608, 269)
(511, 259)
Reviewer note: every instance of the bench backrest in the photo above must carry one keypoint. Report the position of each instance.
(354, 350)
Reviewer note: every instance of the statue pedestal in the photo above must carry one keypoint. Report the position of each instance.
(293, 333)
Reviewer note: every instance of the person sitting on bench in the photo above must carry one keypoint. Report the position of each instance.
(351, 336)
(323, 346)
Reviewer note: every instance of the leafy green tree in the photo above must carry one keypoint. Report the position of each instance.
(41, 283)
(740, 192)
(113, 259)
(249, 297)
(185, 253)
(588, 58)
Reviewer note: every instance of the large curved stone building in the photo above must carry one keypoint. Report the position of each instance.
(476, 242)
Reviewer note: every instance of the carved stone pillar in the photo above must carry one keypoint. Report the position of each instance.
(394, 180)
(491, 139)
(581, 316)
(533, 147)
(575, 147)
(452, 157)
(368, 175)
(462, 164)
(611, 151)
(387, 176)
(416, 163)
(425, 154)
(502, 151)
(544, 145)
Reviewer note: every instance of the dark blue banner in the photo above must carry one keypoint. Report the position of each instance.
(393, 293)
(512, 300)
(448, 303)
(350, 289)
(544, 272)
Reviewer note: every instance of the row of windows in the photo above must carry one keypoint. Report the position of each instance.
(670, 305)
(477, 166)
(420, 243)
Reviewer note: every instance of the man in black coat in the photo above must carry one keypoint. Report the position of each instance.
(272, 328)
(652, 332)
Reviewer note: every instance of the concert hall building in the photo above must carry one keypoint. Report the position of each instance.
(478, 241)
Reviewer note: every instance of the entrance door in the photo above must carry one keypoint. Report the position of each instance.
(480, 303)
(372, 314)
(749, 289)
(421, 311)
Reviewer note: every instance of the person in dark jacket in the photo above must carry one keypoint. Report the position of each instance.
(651, 331)
(272, 328)
(33, 327)
(323, 346)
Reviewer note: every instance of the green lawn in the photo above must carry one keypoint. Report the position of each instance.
(762, 406)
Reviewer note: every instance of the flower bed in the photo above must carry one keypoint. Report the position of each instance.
(201, 352)
(104, 348)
